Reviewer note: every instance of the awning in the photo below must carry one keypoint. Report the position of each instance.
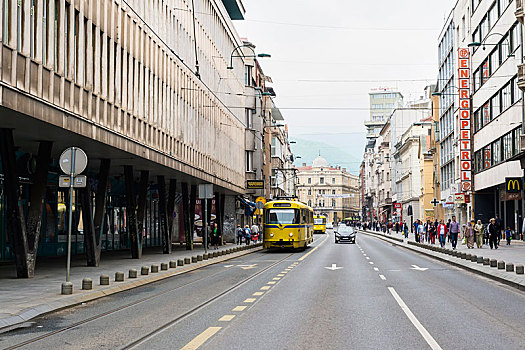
(249, 207)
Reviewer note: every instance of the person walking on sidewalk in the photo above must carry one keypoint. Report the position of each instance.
(448, 228)
(499, 227)
(247, 234)
(215, 236)
(469, 234)
(240, 235)
(432, 233)
(479, 231)
(508, 235)
(442, 233)
(493, 234)
(255, 232)
(454, 231)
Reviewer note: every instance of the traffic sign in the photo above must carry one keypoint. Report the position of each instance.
(80, 161)
(259, 205)
(205, 191)
(79, 181)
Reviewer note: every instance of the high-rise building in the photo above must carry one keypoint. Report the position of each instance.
(382, 102)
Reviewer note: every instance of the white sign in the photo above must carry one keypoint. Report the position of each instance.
(80, 159)
(205, 191)
(345, 195)
(79, 181)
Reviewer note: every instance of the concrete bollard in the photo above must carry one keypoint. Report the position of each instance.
(67, 288)
(104, 280)
(180, 262)
(187, 261)
(468, 256)
(119, 276)
(200, 257)
(486, 261)
(215, 254)
(132, 273)
(194, 259)
(474, 258)
(519, 269)
(493, 263)
(173, 264)
(509, 267)
(501, 265)
(87, 283)
(205, 256)
(463, 255)
(144, 270)
(480, 260)
(163, 266)
(154, 268)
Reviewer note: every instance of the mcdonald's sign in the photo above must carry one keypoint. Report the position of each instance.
(513, 184)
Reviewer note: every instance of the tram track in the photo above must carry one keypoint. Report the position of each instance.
(113, 311)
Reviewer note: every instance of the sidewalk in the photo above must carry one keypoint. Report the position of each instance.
(514, 254)
(23, 299)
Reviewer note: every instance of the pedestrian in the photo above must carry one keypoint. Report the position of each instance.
(255, 232)
(453, 232)
(508, 235)
(420, 232)
(468, 233)
(499, 227)
(479, 231)
(240, 235)
(405, 229)
(397, 227)
(216, 236)
(448, 228)
(247, 234)
(432, 233)
(493, 234)
(442, 232)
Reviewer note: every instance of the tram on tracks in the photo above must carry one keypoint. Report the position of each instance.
(319, 224)
(288, 224)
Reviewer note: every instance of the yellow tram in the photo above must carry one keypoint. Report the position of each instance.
(288, 224)
(319, 224)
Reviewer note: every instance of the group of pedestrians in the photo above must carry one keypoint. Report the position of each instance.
(248, 234)
(473, 233)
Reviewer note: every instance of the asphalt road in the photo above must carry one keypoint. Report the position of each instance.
(373, 296)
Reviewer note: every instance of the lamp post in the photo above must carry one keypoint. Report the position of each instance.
(232, 55)
(484, 44)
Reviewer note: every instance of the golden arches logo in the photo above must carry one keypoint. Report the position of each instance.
(515, 185)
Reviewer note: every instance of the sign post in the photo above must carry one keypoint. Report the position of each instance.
(205, 193)
(73, 161)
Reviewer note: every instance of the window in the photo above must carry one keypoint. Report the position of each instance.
(333, 180)
(494, 107)
(249, 161)
(6, 4)
(496, 152)
(249, 118)
(248, 75)
(309, 180)
(309, 191)
(321, 180)
(333, 203)
(309, 202)
(485, 72)
(333, 191)
(506, 97)
(487, 157)
(507, 146)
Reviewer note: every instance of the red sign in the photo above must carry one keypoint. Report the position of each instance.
(465, 136)
(397, 205)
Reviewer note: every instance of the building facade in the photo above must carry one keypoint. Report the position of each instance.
(382, 102)
(329, 190)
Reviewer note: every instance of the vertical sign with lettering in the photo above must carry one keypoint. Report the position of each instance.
(465, 152)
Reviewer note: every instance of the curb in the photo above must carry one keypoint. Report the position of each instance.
(447, 257)
(81, 296)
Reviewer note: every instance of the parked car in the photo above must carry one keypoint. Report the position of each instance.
(345, 234)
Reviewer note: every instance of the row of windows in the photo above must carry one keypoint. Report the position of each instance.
(446, 44)
(447, 175)
(446, 123)
(497, 104)
(498, 151)
(448, 150)
(321, 203)
(504, 49)
(321, 180)
(387, 96)
(489, 20)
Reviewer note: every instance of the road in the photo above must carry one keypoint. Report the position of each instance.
(371, 295)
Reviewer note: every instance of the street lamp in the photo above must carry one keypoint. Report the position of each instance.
(261, 91)
(261, 55)
(484, 44)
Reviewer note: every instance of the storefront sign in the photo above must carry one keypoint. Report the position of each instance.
(255, 184)
(513, 184)
(506, 196)
(397, 205)
(459, 198)
(465, 152)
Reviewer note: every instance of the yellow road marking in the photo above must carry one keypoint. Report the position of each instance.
(257, 294)
(250, 300)
(226, 318)
(266, 287)
(201, 338)
(271, 282)
(280, 275)
(239, 308)
(284, 271)
(276, 278)
(313, 250)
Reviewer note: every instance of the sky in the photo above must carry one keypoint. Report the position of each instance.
(327, 55)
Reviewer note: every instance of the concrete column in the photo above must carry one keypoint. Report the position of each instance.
(193, 200)
(186, 216)
(141, 206)
(90, 240)
(171, 204)
(131, 213)
(163, 219)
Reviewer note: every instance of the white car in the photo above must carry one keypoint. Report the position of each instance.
(329, 226)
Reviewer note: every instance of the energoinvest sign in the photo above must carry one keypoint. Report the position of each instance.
(465, 151)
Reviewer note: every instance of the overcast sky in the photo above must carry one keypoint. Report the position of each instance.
(329, 54)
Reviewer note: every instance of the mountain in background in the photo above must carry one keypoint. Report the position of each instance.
(344, 149)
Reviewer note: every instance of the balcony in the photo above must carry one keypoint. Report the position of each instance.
(521, 76)
(519, 11)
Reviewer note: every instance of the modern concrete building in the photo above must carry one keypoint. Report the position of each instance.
(148, 101)
(382, 102)
(329, 190)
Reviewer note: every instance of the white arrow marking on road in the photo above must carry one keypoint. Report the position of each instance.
(334, 267)
(247, 267)
(228, 265)
(415, 267)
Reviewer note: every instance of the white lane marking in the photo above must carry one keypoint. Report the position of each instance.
(426, 335)
(376, 269)
(415, 267)
(371, 263)
(201, 338)
(367, 258)
(382, 277)
(334, 267)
